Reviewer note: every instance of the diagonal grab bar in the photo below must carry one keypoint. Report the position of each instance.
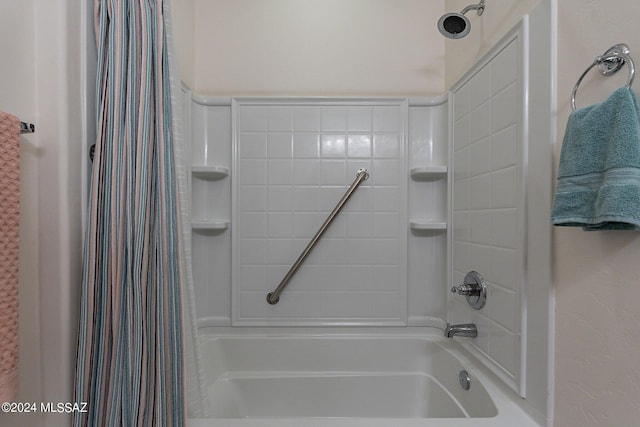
(274, 297)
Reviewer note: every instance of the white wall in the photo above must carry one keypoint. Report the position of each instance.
(18, 97)
(60, 28)
(313, 47)
(61, 46)
(41, 77)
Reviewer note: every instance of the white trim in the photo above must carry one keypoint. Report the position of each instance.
(224, 101)
(524, 90)
(214, 100)
(551, 328)
(428, 101)
(427, 321)
(213, 321)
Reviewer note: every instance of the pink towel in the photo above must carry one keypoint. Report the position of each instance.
(9, 253)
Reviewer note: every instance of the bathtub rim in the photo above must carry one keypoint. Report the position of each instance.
(511, 407)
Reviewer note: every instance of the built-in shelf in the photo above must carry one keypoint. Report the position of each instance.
(210, 172)
(428, 172)
(427, 225)
(209, 224)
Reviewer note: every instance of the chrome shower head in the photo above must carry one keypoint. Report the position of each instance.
(457, 25)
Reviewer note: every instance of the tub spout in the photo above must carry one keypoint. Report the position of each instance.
(462, 330)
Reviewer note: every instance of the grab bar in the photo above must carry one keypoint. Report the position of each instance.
(274, 297)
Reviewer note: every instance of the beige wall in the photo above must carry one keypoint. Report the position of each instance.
(597, 381)
(498, 18)
(183, 18)
(311, 47)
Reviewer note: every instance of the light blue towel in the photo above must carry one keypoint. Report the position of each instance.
(599, 172)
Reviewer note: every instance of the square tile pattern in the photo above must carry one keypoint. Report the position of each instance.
(293, 162)
(487, 209)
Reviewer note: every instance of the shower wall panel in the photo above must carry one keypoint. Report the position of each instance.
(488, 206)
(293, 161)
(362, 257)
(428, 179)
(210, 152)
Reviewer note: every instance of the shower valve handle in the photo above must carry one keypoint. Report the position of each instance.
(473, 289)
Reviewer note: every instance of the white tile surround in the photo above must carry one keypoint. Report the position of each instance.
(293, 161)
(290, 160)
(464, 210)
(465, 162)
(211, 200)
(488, 207)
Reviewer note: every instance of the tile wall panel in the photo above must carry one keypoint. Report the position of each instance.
(427, 257)
(293, 162)
(211, 200)
(487, 209)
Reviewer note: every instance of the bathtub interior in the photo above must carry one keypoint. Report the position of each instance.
(329, 375)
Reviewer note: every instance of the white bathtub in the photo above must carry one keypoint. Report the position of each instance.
(389, 377)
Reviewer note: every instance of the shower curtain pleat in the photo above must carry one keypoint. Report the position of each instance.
(196, 391)
(129, 359)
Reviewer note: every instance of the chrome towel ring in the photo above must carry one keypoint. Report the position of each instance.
(608, 64)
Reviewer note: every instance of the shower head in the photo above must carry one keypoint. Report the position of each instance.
(457, 25)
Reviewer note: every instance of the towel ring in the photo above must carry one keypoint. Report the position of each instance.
(608, 64)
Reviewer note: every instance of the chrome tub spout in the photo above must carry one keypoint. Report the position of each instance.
(462, 330)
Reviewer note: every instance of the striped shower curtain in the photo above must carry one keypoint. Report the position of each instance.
(129, 359)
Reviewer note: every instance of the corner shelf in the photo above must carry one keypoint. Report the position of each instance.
(209, 225)
(425, 173)
(210, 172)
(427, 225)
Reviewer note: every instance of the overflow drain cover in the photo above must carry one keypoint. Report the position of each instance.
(465, 380)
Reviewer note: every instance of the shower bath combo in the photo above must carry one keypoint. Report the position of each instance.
(336, 343)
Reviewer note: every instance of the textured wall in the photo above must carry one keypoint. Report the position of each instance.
(313, 47)
(597, 380)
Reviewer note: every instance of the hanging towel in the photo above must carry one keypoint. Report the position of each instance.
(9, 254)
(599, 173)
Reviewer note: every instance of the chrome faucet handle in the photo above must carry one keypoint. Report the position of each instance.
(474, 289)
